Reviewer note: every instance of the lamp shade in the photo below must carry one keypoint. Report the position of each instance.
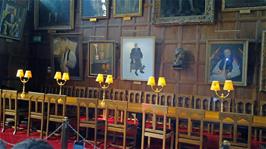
(99, 78)
(228, 85)
(58, 75)
(215, 86)
(20, 73)
(65, 76)
(28, 74)
(151, 81)
(161, 82)
(109, 79)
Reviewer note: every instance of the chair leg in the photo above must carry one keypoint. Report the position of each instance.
(95, 136)
(124, 140)
(47, 127)
(28, 128)
(149, 142)
(4, 121)
(78, 132)
(41, 128)
(105, 138)
(172, 142)
(16, 123)
(142, 141)
(163, 147)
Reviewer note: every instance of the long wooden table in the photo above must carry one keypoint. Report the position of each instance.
(211, 116)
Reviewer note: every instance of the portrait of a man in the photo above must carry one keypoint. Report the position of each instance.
(101, 58)
(12, 20)
(226, 61)
(66, 55)
(137, 61)
(127, 8)
(94, 8)
(54, 14)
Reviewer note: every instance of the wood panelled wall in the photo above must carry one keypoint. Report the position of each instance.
(191, 37)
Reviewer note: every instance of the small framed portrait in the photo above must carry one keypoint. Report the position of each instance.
(137, 58)
(12, 19)
(127, 8)
(183, 11)
(237, 5)
(101, 58)
(227, 60)
(263, 63)
(54, 14)
(94, 9)
(66, 54)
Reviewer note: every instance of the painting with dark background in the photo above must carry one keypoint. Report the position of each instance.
(94, 8)
(66, 54)
(54, 14)
(243, 4)
(172, 8)
(127, 7)
(12, 19)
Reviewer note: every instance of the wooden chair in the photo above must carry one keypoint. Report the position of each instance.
(236, 119)
(245, 106)
(119, 94)
(108, 93)
(80, 91)
(262, 108)
(10, 107)
(227, 104)
(166, 99)
(150, 97)
(155, 131)
(51, 89)
(190, 137)
(202, 102)
(92, 92)
(36, 109)
(56, 111)
(119, 125)
(67, 90)
(134, 96)
(184, 101)
(90, 121)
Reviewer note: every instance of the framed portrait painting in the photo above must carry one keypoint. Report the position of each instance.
(12, 19)
(237, 5)
(227, 60)
(54, 14)
(183, 11)
(94, 9)
(137, 58)
(263, 63)
(101, 58)
(66, 54)
(127, 8)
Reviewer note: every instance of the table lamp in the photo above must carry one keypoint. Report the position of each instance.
(24, 78)
(61, 80)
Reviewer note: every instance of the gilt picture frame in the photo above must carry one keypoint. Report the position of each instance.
(94, 9)
(54, 14)
(183, 12)
(127, 8)
(137, 58)
(238, 5)
(12, 19)
(66, 54)
(101, 57)
(227, 60)
(263, 63)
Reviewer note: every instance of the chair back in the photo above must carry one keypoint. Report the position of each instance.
(108, 93)
(245, 106)
(56, 105)
(184, 101)
(92, 92)
(166, 99)
(80, 91)
(89, 104)
(67, 90)
(9, 98)
(117, 107)
(119, 94)
(202, 102)
(150, 97)
(237, 119)
(227, 104)
(262, 109)
(36, 103)
(51, 89)
(157, 111)
(134, 96)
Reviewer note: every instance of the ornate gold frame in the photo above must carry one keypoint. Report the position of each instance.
(139, 13)
(100, 17)
(241, 8)
(243, 82)
(208, 16)
(263, 63)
